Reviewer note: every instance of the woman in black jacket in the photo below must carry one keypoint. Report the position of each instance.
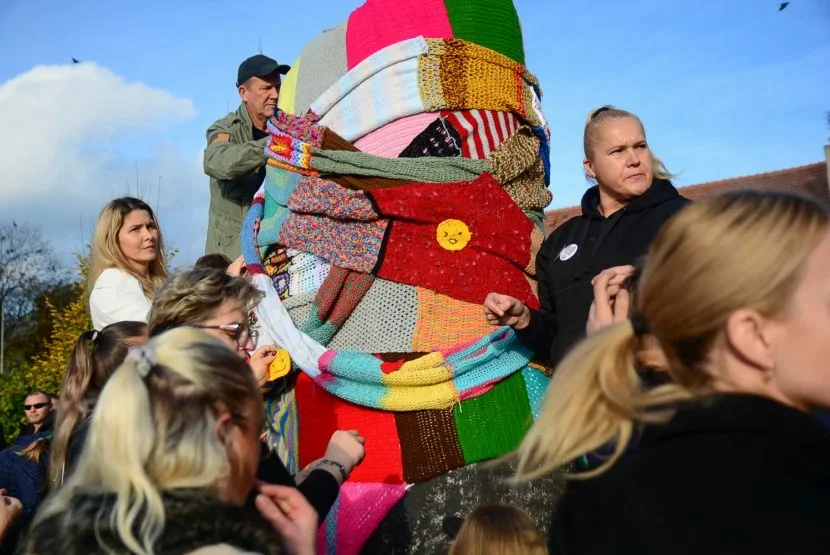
(724, 457)
(621, 214)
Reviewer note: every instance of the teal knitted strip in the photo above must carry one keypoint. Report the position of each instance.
(319, 330)
(422, 170)
(493, 24)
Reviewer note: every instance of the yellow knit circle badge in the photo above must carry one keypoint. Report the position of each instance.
(453, 235)
(280, 366)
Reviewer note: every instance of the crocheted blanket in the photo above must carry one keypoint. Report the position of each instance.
(407, 176)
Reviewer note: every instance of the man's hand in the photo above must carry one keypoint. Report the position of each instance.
(504, 310)
(291, 516)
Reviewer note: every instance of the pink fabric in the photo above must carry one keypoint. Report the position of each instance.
(360, 510)
(380, 23)
(390, 140)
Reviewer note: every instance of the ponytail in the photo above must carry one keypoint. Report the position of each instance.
(593, 401)
(122, 427)
(71, 406)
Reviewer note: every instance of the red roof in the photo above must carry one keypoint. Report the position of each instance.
(811, 180)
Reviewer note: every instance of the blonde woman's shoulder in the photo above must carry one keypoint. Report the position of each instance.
(221, 549)
(115, 278)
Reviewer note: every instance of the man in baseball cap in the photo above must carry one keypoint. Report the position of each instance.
(235, 156)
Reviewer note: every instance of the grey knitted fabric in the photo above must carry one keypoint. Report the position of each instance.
(427, 169)
(299, 307)
(322, 63)
(383, 322)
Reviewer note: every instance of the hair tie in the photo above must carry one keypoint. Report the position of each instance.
(91, 335)
(640, 324)
(144, 359)
(598, 111)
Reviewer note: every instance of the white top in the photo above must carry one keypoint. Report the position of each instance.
(117, 297)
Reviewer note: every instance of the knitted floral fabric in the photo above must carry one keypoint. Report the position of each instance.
(407, 177)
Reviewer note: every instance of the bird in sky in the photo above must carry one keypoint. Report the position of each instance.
(782, 6)
(75, 61)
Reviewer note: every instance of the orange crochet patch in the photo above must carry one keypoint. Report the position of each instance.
(444, 322)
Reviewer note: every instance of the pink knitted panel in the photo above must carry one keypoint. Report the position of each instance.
(380, 23)
(390, 140)
(361, 508)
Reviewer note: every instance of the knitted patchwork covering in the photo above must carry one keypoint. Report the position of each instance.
(412, 448)
(482, 130)
(425, 75)
(391, 139)
(321, 63)
(437, 380)
(493, 24)
(473, 234)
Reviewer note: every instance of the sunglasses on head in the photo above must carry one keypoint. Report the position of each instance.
(35, 406)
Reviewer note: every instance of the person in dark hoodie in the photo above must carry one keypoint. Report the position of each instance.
(621, 214)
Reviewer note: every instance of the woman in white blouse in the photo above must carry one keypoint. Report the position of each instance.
(128, 263)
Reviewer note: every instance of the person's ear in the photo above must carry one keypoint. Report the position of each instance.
(221, 427)
(589, 168)
(749, 336)
(243, 93)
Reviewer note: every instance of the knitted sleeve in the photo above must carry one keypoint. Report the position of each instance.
(539, 333)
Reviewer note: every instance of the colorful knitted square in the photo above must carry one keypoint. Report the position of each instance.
(429, 443)
(321, 414)
(482, 130)
(458, 239)
(376, 25)
(484, 437)
(349, 244)
(493, 24)
(360, 509)
(438, 139)
(314, 195)
(444, 322)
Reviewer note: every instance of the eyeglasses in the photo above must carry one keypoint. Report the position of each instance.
(242, 333)
(37, 406)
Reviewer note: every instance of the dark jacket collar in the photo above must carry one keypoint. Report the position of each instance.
(735, 412)
(660, 191)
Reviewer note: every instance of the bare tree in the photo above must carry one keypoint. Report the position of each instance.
(27, 266)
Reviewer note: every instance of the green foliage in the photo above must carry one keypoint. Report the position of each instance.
(65, 322)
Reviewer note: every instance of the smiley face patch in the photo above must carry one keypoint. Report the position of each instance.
(453, 235)
(281, 365)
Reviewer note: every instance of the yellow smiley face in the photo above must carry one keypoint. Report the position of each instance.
(453, 235)
(281, 365)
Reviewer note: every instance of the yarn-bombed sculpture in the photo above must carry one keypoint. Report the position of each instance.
(407, 177)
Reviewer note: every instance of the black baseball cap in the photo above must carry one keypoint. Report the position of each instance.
(259, 66)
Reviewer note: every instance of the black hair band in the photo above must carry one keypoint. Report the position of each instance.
(640, 324)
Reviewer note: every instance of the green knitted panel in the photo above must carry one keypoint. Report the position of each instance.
(493, 24)
(495, 423)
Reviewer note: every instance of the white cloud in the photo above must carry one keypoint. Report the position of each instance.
(62, 128)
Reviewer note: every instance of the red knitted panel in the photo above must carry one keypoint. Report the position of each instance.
(340, 293)
(321, 414)
(491, 239)
(429, 444)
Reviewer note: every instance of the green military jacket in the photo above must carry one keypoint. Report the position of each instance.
(236, 169)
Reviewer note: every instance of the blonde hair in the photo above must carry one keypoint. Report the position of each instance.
(155, 421)
(596, 118)
(106, 252)
(192, 296)
(498, 530)
(741, 249)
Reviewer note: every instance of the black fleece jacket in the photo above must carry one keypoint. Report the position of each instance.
(580, 249)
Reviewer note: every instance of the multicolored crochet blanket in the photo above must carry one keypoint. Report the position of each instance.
(407, 177)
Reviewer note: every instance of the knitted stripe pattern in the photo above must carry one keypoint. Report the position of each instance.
(433, 381)
(482, 130)
(391, 139)
(425, 75)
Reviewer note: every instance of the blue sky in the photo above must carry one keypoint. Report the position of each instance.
(724, 89)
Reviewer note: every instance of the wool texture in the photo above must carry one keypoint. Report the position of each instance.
(444, 322)
(323, 62)
(391, 139)
(482, 131)
(501, 247)
(438, 139)
(377, 25)
(493, 24)
(429, 444)
(434, 381)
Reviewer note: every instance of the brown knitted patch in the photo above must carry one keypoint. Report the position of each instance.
(429, 444)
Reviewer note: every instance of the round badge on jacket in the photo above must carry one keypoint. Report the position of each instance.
(567, 252)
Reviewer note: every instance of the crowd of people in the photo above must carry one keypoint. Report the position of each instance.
(686, 416)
